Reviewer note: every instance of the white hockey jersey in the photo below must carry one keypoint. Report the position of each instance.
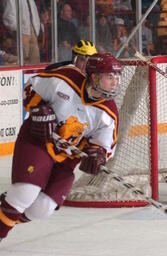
(64, 90)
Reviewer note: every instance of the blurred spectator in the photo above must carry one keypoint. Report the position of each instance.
(147, 42)
(147, 39)
(8, 43)
(7, 58)
(120, 36)
(1, 59)
(43, 4)
(104, 7)
(104, 39)
(84, 30)
(145, 3)
(153, 17)
(45, 36)
(122, 4)
(67, 33)
(79, 9)
(162, 26)
(8, 49)
(122, 9)
(161, 45)
(30, 27)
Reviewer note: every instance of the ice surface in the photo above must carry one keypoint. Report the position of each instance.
(88, 232)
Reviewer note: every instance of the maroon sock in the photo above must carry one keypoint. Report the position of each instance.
(8, 216)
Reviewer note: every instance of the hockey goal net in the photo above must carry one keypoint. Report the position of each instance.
(141, 155)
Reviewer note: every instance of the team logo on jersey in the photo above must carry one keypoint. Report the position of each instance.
(72, 130)
(30, 169)
(63, 96)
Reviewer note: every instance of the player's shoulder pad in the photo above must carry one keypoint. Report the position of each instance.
(57, 65)
(110, 108)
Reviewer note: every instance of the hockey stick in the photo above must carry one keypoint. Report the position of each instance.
(73, 150)
(143, 58)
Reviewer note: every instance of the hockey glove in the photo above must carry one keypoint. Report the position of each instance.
(96, 157)
(43, 123)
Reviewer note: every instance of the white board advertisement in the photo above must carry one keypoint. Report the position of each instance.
(10, 105)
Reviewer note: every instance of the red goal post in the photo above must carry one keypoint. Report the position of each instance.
(140, 156)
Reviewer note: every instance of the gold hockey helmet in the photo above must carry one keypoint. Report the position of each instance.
(85, 48)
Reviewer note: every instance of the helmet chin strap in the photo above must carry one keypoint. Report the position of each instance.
(105, 94)
(94, 87)
(90, 94)
(97, 80)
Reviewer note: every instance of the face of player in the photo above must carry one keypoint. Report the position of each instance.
(108, 82)
(107, 85)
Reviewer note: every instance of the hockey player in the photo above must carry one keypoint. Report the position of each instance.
(82, 111)
(80, 54)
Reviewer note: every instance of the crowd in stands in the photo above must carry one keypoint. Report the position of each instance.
(115, 20)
